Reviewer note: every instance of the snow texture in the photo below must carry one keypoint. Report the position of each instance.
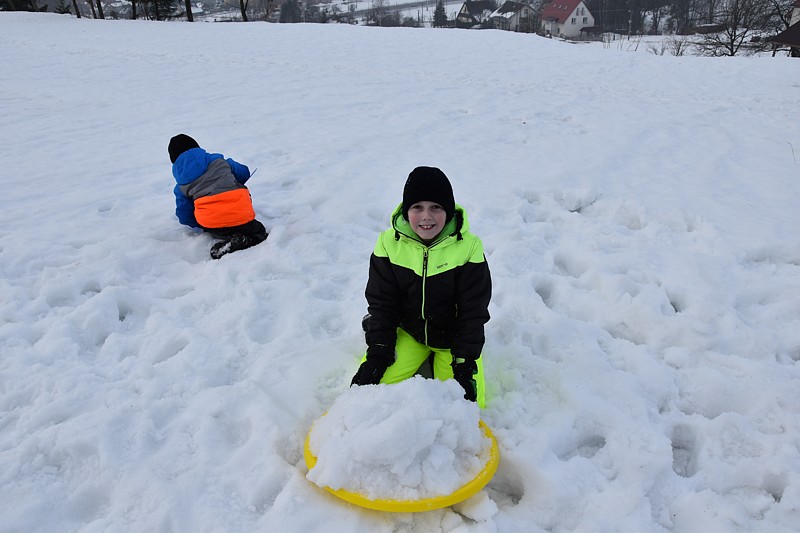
(413, 440)
(640, 219)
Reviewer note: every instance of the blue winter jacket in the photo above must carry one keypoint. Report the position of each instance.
(191, 165)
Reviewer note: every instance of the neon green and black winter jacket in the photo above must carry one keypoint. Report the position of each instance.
(438, 293)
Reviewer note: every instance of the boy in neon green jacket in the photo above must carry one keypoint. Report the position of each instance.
(428, 291)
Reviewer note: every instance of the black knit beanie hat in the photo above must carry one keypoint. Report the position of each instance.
(179, 144)
(431, 185)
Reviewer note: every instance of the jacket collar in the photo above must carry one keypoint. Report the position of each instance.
(454, 228)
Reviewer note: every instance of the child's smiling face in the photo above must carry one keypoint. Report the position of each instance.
(427, 219)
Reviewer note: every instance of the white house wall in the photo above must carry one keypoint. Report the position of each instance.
(579, 18)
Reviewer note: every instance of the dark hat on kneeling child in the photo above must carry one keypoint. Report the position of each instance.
(431, 185)
(179, 144)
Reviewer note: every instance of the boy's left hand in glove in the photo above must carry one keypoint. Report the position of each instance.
(464, 371)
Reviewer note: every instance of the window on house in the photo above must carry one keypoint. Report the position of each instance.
(585, 20)
(573, 21)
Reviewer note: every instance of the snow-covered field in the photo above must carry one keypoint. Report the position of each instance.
(640, 216)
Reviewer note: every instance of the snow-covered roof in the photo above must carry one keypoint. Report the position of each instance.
(508, 10)
(476, 7)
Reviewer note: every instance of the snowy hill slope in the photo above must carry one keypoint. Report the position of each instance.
(640, 217)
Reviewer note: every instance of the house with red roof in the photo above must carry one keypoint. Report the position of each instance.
(566, 18)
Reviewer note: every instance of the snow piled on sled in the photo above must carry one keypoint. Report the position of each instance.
(413, 440)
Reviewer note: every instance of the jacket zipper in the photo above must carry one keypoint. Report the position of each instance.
(424, 281)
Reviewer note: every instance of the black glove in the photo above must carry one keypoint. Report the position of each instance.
(371, 371)
(464, 371)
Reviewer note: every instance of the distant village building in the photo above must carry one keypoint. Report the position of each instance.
(567, 18)
(474, 14)
(790, 37)
(513, 16)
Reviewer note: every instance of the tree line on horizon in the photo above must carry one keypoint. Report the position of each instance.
(728, 25)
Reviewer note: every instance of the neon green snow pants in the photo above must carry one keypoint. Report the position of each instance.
(412, 354)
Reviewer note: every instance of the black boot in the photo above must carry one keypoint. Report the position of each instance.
(221, 248)
(236, 242)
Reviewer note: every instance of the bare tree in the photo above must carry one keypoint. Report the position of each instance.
(742, 20)
(189, 16)
(243, 9)
(267, 7)
(658, 48)
(681, 15)
(657, 11)
(711, 7)
(781, 13)
(678, 44)
(380, 14)
(377, 12)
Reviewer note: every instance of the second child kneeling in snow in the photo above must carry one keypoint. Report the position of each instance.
(211, 194)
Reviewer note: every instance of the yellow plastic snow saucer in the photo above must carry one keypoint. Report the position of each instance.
(425, 504)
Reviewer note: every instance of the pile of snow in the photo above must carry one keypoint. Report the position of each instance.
(408, 441)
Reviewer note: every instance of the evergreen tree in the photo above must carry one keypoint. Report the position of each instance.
(291, 11)
(439, 15)
(15, 5)
(310, 12)
(158, 9)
